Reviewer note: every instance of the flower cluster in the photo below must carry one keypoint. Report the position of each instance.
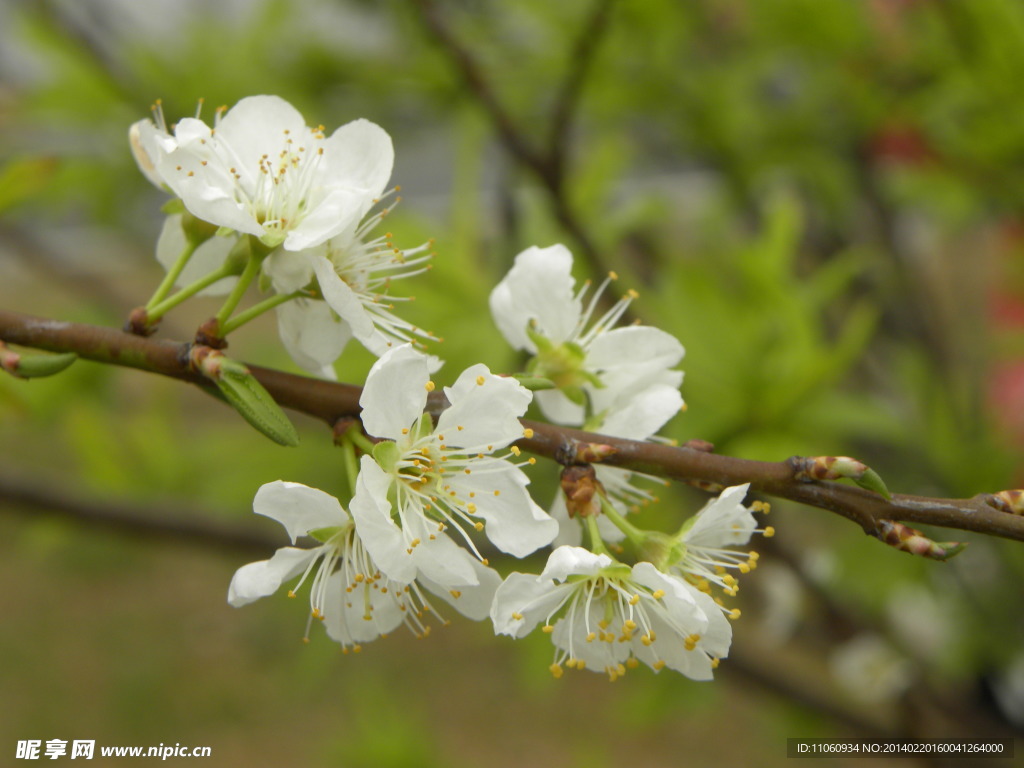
(294, 207)
(435, 480)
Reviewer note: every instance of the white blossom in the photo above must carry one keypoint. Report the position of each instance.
(423, 480)
(261, 170)
(703, 550)
(537, 309)
(348, 593)
(609, 617)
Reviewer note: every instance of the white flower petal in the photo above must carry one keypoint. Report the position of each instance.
(299, 508)
(259, 579)
(346, 303)
(539, 287)
(313, 336)
(530, 598)
(257, 126)
(372, 512)
(145, 141)
(558, 408)
(644, 414)
(347, 618)
(570, 531)
(361, 152)
(723, 521)
(484, 410)
(395, 393)
(573, 561)
(444, 562)
(289, 271)
(513, 522)
(473, 600)
(332, 213)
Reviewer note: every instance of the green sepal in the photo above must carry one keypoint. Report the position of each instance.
(424, 426)
(534, 383)
(576, 395)
(173, 206)
(542, 342)
(323, 535)
(872, 481)
(39, 366)
(196, 230)
(254, 403)
(387, 455)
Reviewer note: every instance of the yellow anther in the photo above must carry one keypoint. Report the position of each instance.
(515, 450)
(478, 525)
(291, 593)
(415, 542)
(480, 380)
(556, 671)
(658, 594)
(613, 275)
(592, 636)
(497, 492)
(429, 386)
(769, 532)
(527, 433)
(471, 508)
(632, 662)
(715, 662)
(531, 461)
(547, 629)
(629, 625)
(734, 613)
(517, 616)
(634, 599)
(744, 567)
(658, 665)
(405, 430)
(455, 593)
(359, 577)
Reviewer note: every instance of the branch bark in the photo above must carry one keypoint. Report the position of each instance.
(330, 401)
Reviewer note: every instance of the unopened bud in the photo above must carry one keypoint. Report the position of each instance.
(907, 539)
(1011, 502)
(837, 467)
(33, 366)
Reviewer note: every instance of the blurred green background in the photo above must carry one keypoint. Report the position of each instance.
(821, 200)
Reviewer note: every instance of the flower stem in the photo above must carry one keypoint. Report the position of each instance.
(171, 277)
(258, 309)
(157, 311)
(348, 458)
(597, 545)
(252, 267)
(361, 441)
(634, 534)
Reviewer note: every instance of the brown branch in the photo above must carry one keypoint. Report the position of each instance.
(164, 523)
(331, 401)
